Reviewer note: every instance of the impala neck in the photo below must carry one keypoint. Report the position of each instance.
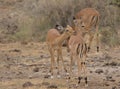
(80, 33)
(60, 39)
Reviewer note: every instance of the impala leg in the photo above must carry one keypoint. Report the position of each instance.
(90, 41)
(97, 42)
(84, 70)
(97, 39)
(79, 70)
(58, 59)
(60, 52)
(71, 64)
(52, 61)
(68, 49)
(85, 76)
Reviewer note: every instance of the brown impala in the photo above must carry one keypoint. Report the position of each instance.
(54, 42)
(88, 20)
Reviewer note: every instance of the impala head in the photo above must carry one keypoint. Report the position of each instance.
(59, 28)
(79, 24)
(69, 30)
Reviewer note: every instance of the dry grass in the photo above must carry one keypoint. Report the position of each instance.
(33, 18)
(109, 37)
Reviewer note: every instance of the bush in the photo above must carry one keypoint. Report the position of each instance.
(115, 2)
(34, 18)
(109, 37)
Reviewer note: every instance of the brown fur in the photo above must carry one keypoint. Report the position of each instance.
(54, 41)
(88, 20)
(78, 52)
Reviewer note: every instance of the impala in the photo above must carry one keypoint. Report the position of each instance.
(59, 28)
(78, 50)
(88, 20)
(54, 41)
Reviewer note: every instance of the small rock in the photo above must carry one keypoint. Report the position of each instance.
(8, 58)
(27, 84)
(113, 64)
(107, 84)
(44, 56)
(73, 86)
(45, 83)
(24, 42)
(91, 71)
(112, 80)
(16, 50)
(114, 87)
(36, 69)
(99, 71)
(52, 87)
(47, 76)
(118, 64)
(108, 77)
(19, 73)
(106, 72)
(41, 56)
(117, 75)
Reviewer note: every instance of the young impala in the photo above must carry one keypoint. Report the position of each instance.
(54, 41)
(88, 19)
(78, 50)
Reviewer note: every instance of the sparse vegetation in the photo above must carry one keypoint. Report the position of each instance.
(109, 37)
(25, 59)
(29, 20)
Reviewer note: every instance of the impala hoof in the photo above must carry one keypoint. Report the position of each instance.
(52, 77)
(58, 76)
(88, 49)
(67, 74)
(49, 73)
(86, 85)
(97, 49)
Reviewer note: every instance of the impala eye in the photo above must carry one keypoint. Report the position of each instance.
(82, 24)
(67, 30)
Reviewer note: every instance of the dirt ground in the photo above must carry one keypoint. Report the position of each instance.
(26, 66)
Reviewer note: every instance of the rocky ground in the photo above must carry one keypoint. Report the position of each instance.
(26, 66)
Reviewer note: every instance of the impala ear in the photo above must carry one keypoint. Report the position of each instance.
(74, 21)
(56, 25)
(68, 25)
(74, 18)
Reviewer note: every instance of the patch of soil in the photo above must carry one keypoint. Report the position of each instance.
(27, 66)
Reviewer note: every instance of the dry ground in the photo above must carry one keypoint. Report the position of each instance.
(26, 66)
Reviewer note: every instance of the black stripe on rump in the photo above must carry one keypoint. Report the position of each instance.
(85, 47)
(77, 51)
(81, 51)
